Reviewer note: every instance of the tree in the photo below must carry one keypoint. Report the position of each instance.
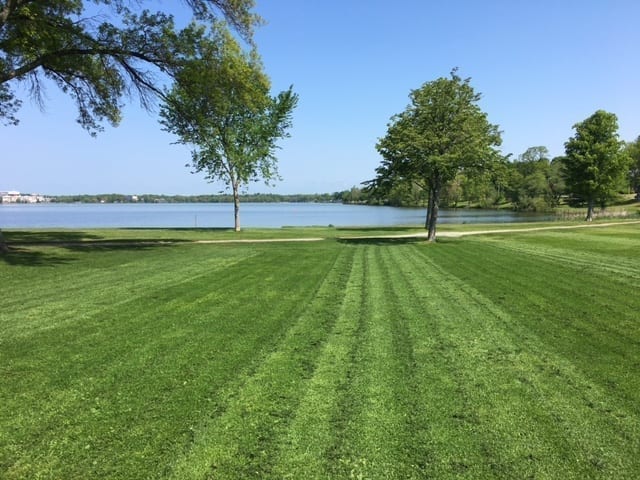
(529, 186)
(221, 105)
(442, 132)
(556, 183)
(594, 160)
(98, 55)
(480, 188)
(633, 151)
(98, 58)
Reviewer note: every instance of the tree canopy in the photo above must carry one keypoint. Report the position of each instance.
(221, 105)
(442, 132)
(98, 52)
(595, 162)
(633, 151)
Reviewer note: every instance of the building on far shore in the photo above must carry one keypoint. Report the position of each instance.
(17, 197)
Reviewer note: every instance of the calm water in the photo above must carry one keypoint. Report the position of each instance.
(221, 215)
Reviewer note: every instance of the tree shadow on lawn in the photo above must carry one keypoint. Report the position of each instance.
(393, 240)
(381, 240)
(66, 237)
(79, 238)
(26, 237)
(38, 249)
(29, 257)
(399, 228)
(181, 229)
(24, 248)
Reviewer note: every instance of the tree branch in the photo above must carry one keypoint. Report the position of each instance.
(7, 10)
(44, 59)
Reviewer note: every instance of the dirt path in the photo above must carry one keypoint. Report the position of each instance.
(533, 229)
(485, 232)
(124, 243)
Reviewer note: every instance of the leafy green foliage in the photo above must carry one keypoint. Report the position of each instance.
(441, 133)
(335, 197)
(491, 357)
(97, 59)
(633, 151)
(534, 182)
(220, 105)
(530, 183)
(595, 163)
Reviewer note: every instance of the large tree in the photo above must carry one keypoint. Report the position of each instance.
(442, 132)
(595, 160)
(99, 52)
(222, 107)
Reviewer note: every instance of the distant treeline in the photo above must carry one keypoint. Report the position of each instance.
(532, 182)
(336, 197)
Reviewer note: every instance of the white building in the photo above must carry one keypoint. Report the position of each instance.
(13, 196)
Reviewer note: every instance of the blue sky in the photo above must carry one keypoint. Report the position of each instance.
(541, 67)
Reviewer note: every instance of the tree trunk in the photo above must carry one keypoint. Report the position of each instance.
(590, 204)
(236, 207)
(432, 212)
(428, 215)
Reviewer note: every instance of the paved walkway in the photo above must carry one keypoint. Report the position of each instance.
(445, 234)
(501, 230)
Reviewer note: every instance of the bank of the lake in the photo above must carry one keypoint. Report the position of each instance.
(253, 215)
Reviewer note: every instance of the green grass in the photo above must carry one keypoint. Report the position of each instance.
(146, 236)
(500, 356)
(70, 237)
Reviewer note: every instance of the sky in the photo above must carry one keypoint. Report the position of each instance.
(540, 66)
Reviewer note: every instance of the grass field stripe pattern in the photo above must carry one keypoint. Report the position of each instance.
(310, 446)
(551, 383)
(240, 442)
(498, 356)
(585, 305)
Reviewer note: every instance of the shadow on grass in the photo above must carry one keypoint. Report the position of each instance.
(181, 229)
(395, 240)
(48, 248)
(24, 237)
(377, 229)
(79, 238)
(28, 257)
(381, 240)
(48, 236)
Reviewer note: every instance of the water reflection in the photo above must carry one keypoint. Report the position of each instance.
(252, 215)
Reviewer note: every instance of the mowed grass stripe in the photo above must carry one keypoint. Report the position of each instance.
(313, 439)
(441, 329)
(244, 440)
(142, 374)
(96, 354)
(589, 316)
(613, 255)
(376, 435)
(477, 413)
(474, 358)
(440, 446)
(539, 414)
(402, 288)
(360, 417)
(67, 294)
(579, 292)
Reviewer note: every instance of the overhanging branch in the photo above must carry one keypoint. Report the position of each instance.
(42, 61)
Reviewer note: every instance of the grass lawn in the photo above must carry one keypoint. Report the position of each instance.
(500, 356)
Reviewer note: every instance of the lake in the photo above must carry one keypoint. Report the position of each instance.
(128, 215)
